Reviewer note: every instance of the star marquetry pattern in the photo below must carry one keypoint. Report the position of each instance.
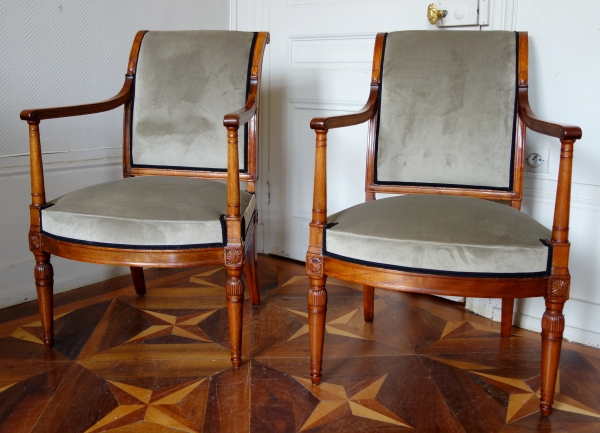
(139, 404)
(522, 400)
(335, 326)
(464, 328)
(28, 332)
(182, 326)
(334, 402)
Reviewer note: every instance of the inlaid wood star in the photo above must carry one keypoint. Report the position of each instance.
(182, 326)
(331, 327)
(335, 403)
(523, 400)
(137, 405)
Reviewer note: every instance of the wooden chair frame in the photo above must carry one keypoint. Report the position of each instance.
(554, 288)
(237, 254)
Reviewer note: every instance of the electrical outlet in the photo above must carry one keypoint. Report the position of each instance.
(536, 159)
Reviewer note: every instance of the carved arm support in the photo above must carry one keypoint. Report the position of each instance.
(567, 135)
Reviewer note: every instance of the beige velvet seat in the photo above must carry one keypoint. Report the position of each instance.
(186, 95)
(146, 212)
(438, 234)
(447, 113)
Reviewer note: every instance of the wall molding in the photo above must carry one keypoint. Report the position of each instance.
(339, 51)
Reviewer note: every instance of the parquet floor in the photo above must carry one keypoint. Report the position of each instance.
(160, 363)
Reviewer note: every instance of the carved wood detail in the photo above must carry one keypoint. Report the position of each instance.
(234, 287)
(314, 265)
(553, 322)
(35, 241)
(233, 257)
(317, 297)
(559, 288)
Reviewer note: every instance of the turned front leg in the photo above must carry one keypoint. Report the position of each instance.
(553, 325)
(317, 308)
(44, 282)
(235, 312)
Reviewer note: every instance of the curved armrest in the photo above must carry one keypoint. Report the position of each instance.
(553, 129)
(122, 97)
(241, 116)
(349, 119)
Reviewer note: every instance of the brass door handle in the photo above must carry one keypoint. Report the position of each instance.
(433, 14)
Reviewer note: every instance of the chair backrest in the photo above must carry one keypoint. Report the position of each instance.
(447, 110)
(185, 82)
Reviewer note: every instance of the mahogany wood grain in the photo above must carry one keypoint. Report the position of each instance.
(554, 288)
(232, 255)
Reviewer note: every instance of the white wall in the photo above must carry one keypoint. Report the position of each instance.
(62, 52)
(564, 60)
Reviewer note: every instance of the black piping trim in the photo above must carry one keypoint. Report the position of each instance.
(379, 107)
(477, 187)
(545, 273)
(134, 247)
(223, 228)
(186, 168)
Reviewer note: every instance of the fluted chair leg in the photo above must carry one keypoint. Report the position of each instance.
(317, 309)
(507, 317)
(44, 283)
(139, 283)
(235, 312)
(553, 325)
(368, 300)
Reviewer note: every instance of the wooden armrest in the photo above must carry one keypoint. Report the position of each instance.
(324, 123)
(241, 116)
(122, 97)
(553, 129)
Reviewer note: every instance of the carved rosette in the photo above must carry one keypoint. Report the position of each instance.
(35, 241)
(559, 288)
(314, 266)
(233, 257)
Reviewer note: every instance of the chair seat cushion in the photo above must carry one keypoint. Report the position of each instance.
(439, 234)
(150, 212)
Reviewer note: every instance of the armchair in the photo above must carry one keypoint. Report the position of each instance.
(447, 115)
(178, 142)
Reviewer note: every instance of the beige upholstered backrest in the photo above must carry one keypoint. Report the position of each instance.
(447, 109)
(186, 81)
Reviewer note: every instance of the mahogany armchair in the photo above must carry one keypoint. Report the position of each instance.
(447, 114)
(170, 210)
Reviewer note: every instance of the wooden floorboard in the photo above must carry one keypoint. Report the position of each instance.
(160, 363)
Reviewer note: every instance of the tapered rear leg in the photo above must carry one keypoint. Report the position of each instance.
(44, 283)
(137, 274)
(317, 309)
(507, 317)
(368, 300)
(251, 272)
(553, 325)
(235, 312)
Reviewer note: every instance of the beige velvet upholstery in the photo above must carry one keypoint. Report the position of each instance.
(156, 211)
(447, 108)
(185, 83)
(440, 233)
